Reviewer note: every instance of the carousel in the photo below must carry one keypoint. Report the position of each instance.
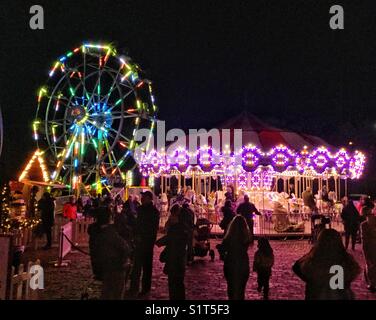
(273, 166)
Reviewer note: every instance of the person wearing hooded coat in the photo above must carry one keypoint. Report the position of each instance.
(315, 268)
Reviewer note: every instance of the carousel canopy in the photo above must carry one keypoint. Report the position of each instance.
(263, 147)
(264, 136)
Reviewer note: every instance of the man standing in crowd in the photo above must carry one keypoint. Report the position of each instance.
(146, 229)
(46, 206)
(247, 209)
(351, 220)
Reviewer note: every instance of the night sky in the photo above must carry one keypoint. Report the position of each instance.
(209, 60)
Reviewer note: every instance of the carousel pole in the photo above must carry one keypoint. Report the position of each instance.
(320, 188)
(236, 183)
(339, 188)
(205, 186)
(299, 186)
(179, 181)
(346, 186)
(161, 183)
(335, 186)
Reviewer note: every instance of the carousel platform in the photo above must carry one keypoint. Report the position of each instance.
(267, 229)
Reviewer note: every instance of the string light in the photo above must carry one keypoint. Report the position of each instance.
(36, 156)
(280, 160)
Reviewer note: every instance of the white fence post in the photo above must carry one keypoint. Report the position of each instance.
(20, 283)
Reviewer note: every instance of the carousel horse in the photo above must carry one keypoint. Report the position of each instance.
(282, 222)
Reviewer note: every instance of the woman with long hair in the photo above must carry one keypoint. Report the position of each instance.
(317, 268)
(234, 252)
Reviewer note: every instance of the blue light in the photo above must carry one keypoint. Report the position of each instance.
(63, 59)
(75, 163)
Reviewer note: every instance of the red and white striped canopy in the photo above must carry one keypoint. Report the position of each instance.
(264, 136)
(258, 133)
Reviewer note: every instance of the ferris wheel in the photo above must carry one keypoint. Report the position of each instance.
(88, 114)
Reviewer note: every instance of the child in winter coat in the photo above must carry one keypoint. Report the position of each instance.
(262, 265)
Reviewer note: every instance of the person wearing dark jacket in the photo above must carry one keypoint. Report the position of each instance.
(109, 253)
(146, 229)
(46, 206)
(187, 218)
(262, 264)
(247, 209)
(228, 215)
(351, 220)
(174, 255)
(121, 225)
(100, 218)
(315, 268)
(129, 204)
(234, 252)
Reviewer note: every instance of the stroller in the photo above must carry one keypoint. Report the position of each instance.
(318, 223)
(201, 239)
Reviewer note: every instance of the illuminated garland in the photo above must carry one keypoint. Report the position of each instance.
(7, 224)
(38, 155)
(280, 159)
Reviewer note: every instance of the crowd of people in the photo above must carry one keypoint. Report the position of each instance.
(124, 234)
